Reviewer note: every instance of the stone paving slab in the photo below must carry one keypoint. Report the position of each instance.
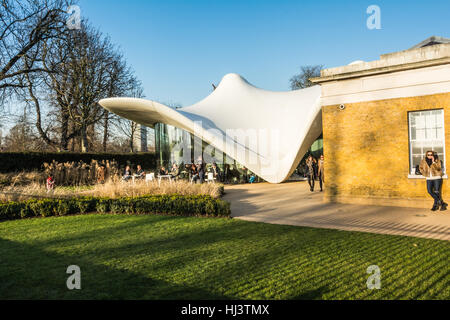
(292, 203)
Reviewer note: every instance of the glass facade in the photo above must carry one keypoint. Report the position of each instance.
(174, 145)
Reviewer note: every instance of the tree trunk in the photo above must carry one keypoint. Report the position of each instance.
(105, 130)
(84, 140)
(64, 143)
(131, 145)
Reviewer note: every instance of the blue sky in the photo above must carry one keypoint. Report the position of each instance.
(178, 48)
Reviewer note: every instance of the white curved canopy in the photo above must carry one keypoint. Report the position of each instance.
(268, 132)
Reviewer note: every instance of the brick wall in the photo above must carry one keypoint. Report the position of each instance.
(367, 151)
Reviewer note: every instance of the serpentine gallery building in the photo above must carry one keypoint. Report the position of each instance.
(373, 121)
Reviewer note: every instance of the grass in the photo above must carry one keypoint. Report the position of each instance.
(162, 257)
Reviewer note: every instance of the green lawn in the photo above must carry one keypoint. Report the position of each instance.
(165, 257)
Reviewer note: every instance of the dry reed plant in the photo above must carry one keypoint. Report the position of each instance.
(140, 188)
(111, 190)
(80, 173)
(21, 178)
(66, 174)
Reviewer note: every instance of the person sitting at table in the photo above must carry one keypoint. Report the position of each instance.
(175, 171)
(216, 171)
(194, 173)
(140, 173)
(201, 170)
(162, 171)
(127, 174)
(187, 172)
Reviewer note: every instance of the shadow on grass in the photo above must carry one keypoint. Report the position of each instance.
(27, 272)
(314, 294)
(217, 259)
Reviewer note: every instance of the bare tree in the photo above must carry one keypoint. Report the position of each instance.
(21, 136)
(80, 69)
(301, 80)
(121, 81)
(23, 25)
(127, 127)
(60, 73)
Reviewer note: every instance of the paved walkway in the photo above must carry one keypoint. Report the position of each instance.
(293, 204)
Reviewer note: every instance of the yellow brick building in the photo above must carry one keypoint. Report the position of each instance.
(379, 118)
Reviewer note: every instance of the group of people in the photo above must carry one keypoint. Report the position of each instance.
(194, 172)
(174, 172)
(128, 175)
(198, 172)
(314, 170)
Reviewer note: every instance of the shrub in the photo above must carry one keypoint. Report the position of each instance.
(86, 204)
(103, 205)
(17, 161)
(63, 208)
(122, 205)
(166, 204)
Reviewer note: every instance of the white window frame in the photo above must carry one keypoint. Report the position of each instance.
(443, 159)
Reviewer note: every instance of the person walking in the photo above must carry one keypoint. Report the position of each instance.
(431, 168)
(201, 170)
(320, 172)
(311, 169)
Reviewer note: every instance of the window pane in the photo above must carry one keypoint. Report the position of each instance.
(430, 120)
(416, 160)
(420, 122)
(416, 149)
(430, 133)
(420, 134)
(427, 133)
(439, 149)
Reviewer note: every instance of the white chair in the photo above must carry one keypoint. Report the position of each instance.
(210, 177)
(149, 177)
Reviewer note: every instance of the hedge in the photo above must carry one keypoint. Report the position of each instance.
(200, 205)
(19, 161)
